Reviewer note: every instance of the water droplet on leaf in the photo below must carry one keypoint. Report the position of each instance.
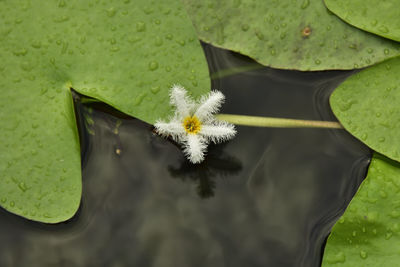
(153, 65)
(20, 52)
(111, 12)
(140, 26)
(22, 186)
(155, 89)
(305, 4)
(158, 41)
(363, 254)
(383, 29)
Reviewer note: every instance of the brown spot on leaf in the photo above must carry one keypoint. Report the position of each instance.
(306, 32)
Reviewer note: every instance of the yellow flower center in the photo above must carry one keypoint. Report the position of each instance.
(192, 125)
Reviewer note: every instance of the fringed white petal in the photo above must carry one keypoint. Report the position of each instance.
(209, 105)
(181, 101)
(218, 132)
(174, 129)
(211, 130)
(195, 147)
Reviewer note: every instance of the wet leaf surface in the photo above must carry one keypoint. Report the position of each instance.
(126, 54)
(299, 34)
(368, 232)
(378, 17)
(366, 104)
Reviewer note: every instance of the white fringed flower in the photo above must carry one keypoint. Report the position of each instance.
(194, 124)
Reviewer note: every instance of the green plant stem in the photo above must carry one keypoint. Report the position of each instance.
(232, 71)
(277, 122)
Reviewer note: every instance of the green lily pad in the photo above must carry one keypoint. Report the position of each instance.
(367, 105)
(125, 53)
(300, 35)
(376, 16)
(368, 234)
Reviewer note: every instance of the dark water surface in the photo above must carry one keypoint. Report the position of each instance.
(267, 198)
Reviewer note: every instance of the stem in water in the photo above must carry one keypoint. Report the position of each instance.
(277, 122)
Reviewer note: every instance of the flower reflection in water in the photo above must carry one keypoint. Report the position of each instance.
(217, 164)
